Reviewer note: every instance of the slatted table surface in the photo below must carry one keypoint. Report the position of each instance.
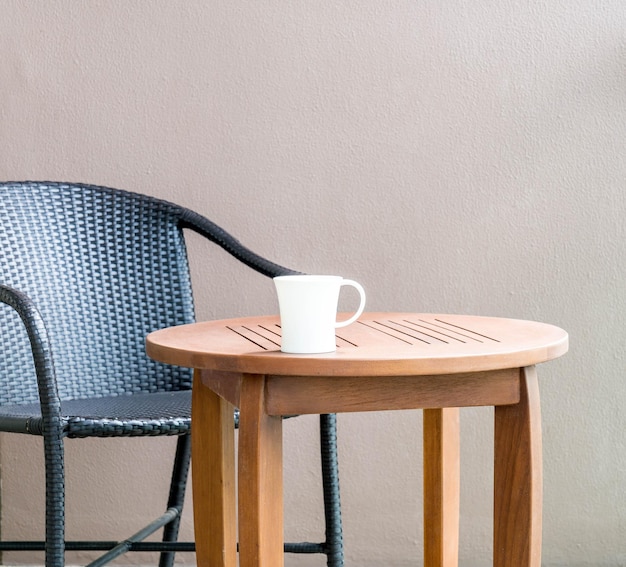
(385, 343)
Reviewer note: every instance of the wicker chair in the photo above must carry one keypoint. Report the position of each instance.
(86, 273)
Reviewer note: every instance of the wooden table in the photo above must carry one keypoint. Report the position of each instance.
(385, 361)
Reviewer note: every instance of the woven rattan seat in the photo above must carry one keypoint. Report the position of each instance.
(86, 273)
(160, 413)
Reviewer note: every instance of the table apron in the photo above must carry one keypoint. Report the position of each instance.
(288, 395)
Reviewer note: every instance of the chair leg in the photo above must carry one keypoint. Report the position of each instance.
(330, 480)
(177, 496)
(55, 499)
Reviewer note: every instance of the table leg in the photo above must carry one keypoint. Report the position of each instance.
(441, 487)
(518, 478)
(213, 477)
(261, 535)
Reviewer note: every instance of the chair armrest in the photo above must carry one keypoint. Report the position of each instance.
(203, 226)
(40, 347)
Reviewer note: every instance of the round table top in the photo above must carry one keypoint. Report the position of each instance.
(378, 344)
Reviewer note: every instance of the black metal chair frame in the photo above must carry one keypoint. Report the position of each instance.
(45, 375)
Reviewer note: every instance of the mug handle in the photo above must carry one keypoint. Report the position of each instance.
(354, 317)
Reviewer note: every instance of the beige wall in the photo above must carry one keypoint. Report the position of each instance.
(453, 156)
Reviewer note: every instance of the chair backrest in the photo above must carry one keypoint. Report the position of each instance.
(104, 267)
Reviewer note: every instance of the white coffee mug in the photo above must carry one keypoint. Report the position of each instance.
(308, 311)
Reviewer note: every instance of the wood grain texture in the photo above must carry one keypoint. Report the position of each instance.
(378, 344)
(327, 394)
(518, 478)
(213, 477)
(442, 481)
(226, 384)
(261, 536)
